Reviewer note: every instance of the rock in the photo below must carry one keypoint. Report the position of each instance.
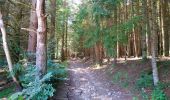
(72, 88)
(67, 84)
(78, 92)
(109, 94)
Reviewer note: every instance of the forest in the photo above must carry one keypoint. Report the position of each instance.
(84, 49)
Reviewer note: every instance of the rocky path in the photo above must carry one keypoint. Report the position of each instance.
(89, 83)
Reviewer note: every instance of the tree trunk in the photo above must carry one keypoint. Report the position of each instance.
(53, 25)
(62, 45)
(66, 37)
(165, 26)
(41, 52)
(98, 53)
(153, 41)
(144, 11)
(7, 53)
(32, 41)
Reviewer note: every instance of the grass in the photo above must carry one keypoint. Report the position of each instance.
(7, 92)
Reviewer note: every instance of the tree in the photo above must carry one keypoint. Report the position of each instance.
(41, 52)
(32, 31)
(52, 38)
(7, 53)
(166, 20)
(153, 25)
(144, 24)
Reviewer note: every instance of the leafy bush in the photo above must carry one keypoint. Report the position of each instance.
(144, 81)
(158, 94)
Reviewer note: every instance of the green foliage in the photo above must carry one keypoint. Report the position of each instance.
(58, 71)
(2, 62)
(51, 47)
(145, 80)
(36, 88)
(144, 95)
(2, 2)
(135, 98)
(158, 94)
(7, 92)
(91, 25)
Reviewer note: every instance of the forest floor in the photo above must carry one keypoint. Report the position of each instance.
(87, 81)
(90, 82)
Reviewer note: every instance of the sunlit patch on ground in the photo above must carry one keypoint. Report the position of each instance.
(87, 86)
(97, 67)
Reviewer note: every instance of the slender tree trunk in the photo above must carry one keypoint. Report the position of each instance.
(32, 41)
(165, 27)
(66, 38)
(7, 53)
(139, 31)
(148, 37)
(154, 44)
(41, 53)
(160, 29)
(144, 11)
(52, 30)
(116, 47)
(57, 48)
(62, 45)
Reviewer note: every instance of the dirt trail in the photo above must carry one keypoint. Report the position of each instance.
(88, 83)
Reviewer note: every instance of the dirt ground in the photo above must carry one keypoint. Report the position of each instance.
(89, 82)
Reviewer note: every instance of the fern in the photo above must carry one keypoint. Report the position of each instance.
(36, 88)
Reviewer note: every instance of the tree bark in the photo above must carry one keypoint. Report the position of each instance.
(144, 11)
(66, 37)
(98, 53)
(53, 26)
(153, 41)
(62, 45)
(32, 41)
(165, 26)
(41, 52)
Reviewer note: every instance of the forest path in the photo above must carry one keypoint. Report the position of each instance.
(89, 83)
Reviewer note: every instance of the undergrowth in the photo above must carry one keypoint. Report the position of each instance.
(145, 82)
(35, 88)
(7, 92)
